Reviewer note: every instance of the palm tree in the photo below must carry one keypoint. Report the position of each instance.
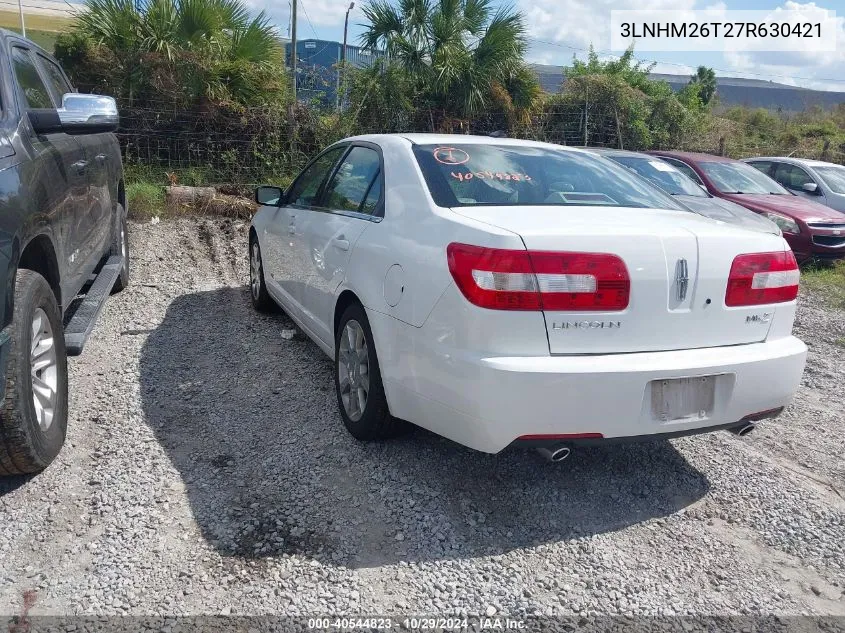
(705, 79)
(463, 56)
(220, 33)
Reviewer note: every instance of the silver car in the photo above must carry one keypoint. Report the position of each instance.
(814, 179)
(686, 191)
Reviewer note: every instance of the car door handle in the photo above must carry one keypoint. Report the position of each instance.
(341, 243)
(80, 166)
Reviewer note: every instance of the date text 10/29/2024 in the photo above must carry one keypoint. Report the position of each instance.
(484, 623)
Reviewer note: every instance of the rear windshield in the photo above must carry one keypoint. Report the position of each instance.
(662, 174)
(467, 175)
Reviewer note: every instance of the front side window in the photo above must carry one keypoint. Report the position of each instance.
(833, 176)
(661, 174)
(34, 91)
(792, 177)
(740, 178)
(352, 182)
(764, 166)
(482, 174)
(304, 190)
(55, 78)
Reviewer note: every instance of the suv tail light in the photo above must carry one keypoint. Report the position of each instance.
(502, 279)
(760, 278)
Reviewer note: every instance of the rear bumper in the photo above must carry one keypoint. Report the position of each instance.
(487, 403)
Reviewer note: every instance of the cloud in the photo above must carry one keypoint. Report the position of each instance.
(325, 14)
(580, 23)
(823, 70)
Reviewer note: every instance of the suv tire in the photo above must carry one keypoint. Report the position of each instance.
(33, 413)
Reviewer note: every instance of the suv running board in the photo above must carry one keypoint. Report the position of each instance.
(79, 328)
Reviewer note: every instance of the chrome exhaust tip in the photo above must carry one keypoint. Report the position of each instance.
(743, 430)
(555, 454)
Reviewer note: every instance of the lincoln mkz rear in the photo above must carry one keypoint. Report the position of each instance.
(503, 292)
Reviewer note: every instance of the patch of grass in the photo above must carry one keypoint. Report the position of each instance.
(826, 280)
(145, 199)
(35, 21)
(840, 341)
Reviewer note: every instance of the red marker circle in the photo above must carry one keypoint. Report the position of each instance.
(450, 156)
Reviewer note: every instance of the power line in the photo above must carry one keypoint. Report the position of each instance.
(654, 61)
(307, 17)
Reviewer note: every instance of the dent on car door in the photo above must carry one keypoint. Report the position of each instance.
(331, 230)
(53, 179)
(286, 269)
(96, 149)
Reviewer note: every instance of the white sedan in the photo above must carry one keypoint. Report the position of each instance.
(500, 292)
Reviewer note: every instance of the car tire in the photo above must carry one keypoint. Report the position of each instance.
(32, 435)
(120, 246)
(261, 299)
(357, 379)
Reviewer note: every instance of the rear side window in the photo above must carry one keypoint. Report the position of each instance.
(34, 91)
(519, 175)
(353, 181)
(304, 191)
(55, 78)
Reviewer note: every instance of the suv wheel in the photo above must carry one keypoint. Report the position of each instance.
(357, 378)
(120, 246)
(33, 418)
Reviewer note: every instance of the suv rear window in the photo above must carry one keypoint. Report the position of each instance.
(481, 174)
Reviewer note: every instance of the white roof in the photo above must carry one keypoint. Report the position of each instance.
(807, 162)
(457, 139)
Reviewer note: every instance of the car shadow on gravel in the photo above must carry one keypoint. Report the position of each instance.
(247, 414)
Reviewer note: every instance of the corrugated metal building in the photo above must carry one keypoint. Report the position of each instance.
(317, 61)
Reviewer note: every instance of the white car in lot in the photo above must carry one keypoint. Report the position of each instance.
(500, 292)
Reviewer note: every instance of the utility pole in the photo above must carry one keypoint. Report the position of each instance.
(23, 26)
(342, 66)
(293, 46)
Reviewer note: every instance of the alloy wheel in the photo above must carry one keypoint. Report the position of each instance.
(255, 271)
(353, 369)
(43, 369)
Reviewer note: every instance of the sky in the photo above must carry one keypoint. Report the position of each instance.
(559, 29)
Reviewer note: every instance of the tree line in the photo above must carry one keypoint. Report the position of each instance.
(448, 66)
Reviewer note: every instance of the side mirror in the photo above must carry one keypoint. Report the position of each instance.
(88, 114)
(269, 195)
(79, 114)
(810, 187)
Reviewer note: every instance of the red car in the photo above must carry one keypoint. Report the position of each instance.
(812, 229)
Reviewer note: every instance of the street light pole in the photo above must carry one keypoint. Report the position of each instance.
(342, 66)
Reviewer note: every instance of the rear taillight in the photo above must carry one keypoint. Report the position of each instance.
(759, 278)
(502, 279)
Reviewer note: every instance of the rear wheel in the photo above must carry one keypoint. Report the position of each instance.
(33, 418)
(360, 392)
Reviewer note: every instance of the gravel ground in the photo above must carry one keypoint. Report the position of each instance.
(207, 471)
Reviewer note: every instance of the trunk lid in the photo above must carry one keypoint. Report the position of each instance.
(661, 314)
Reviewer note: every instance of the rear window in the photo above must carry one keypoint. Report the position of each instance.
(477, 175)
